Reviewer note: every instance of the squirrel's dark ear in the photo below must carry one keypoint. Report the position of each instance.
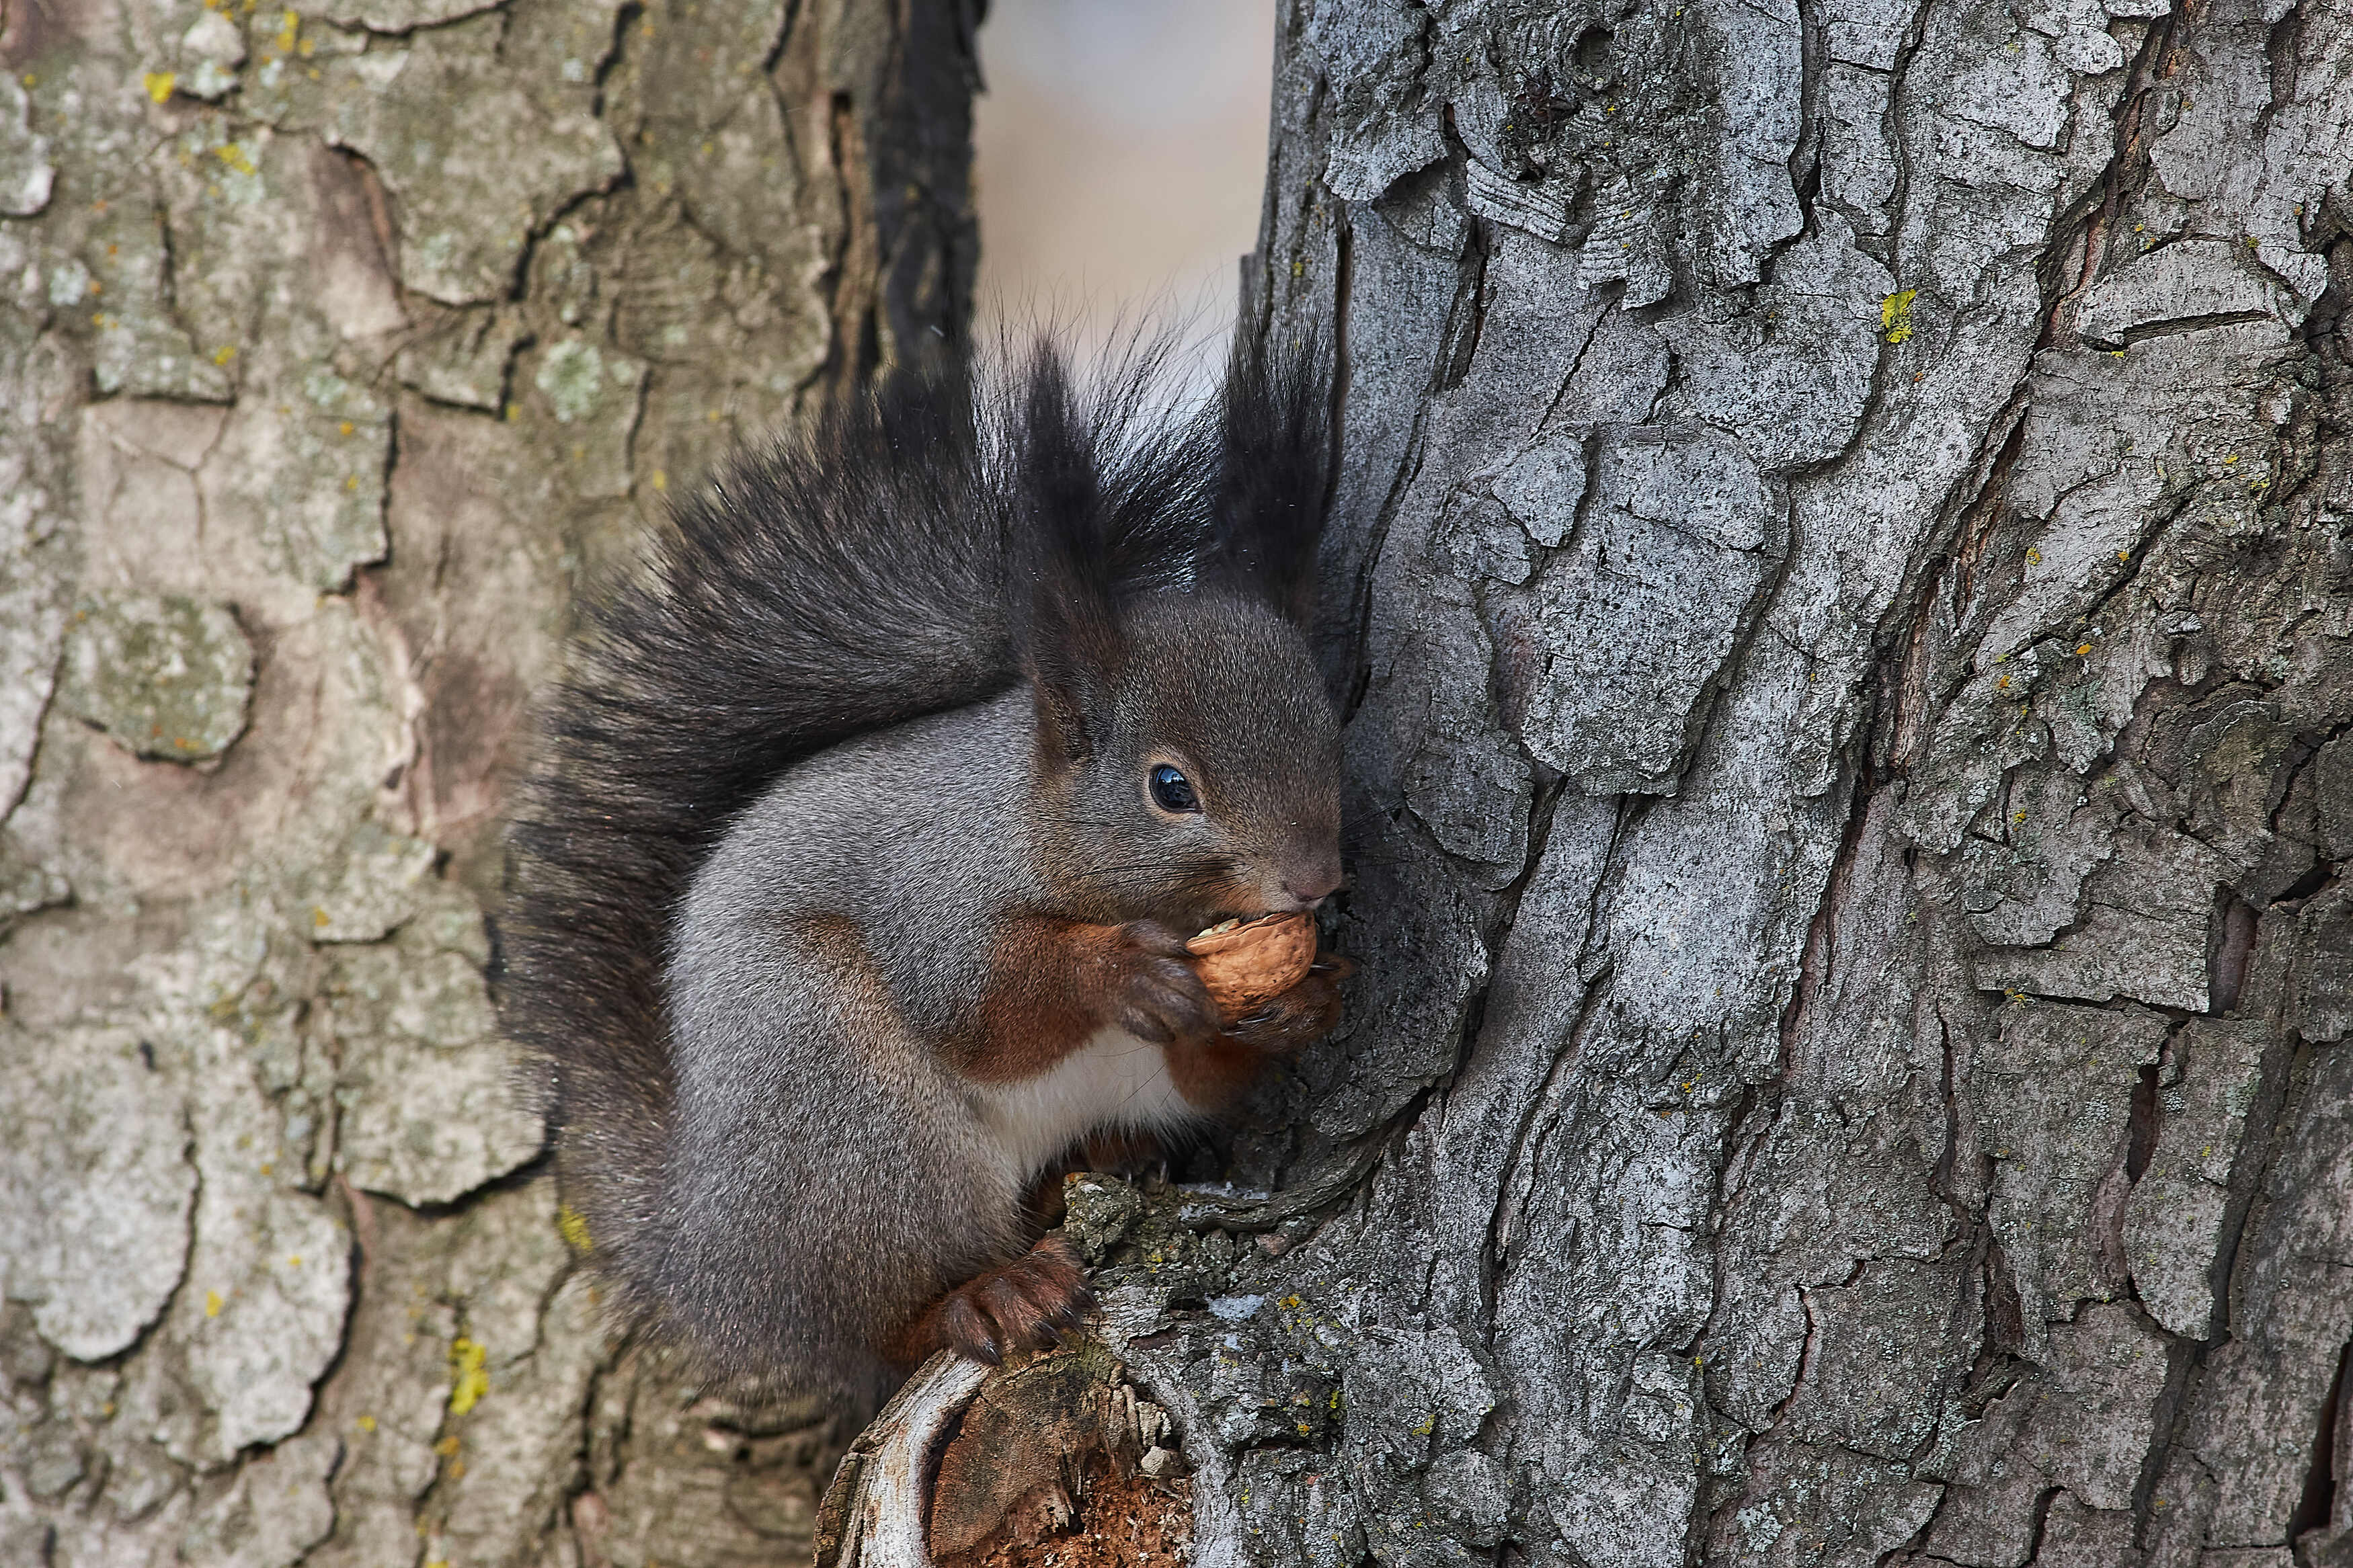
(1071, 647)
(1274, 470)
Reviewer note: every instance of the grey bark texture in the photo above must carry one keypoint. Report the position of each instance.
(1842, 587)
(1841, 583)
(340, 345)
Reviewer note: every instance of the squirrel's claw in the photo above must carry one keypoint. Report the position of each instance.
(963, 1329)
(1026, 1304)
(1307, 1012)
(1156, 994)
(1155, 937)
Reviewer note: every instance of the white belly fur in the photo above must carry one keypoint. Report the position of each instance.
(1113, 1081)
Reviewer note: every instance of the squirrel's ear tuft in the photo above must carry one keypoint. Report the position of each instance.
(1273, 471)
(1070, 643)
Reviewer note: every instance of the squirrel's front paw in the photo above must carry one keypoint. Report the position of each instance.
(1307, 1012)
(1155, 994)
(1022, 1305)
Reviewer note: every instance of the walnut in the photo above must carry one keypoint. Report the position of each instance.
(1243, 964)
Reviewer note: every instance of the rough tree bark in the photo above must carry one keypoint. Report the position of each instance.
(1841, 583)
(338, 343)
(1842, 588)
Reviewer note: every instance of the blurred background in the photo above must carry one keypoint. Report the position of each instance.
(1120, 151)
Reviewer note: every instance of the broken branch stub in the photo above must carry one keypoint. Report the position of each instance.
(967, 1468)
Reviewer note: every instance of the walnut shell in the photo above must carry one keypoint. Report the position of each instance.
(1246, 964)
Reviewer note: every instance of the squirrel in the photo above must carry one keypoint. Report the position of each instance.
(852, 879)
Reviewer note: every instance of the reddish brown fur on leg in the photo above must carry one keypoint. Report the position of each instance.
(1054, 982)
(1214, 1073)
(1021, 1305)
(1120, 1151)
(1046, 1207)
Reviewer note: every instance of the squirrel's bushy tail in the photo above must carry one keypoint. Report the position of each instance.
(877, 569)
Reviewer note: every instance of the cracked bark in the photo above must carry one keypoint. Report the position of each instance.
(340, 344)
(1841, 587)
(1840, 579)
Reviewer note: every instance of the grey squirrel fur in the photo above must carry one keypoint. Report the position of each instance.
(846, 901)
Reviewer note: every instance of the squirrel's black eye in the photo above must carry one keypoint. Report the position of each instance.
(1172, 791)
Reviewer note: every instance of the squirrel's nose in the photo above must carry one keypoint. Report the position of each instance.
(1311, 881)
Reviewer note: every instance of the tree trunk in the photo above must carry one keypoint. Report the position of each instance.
(1842, 587)
(341, 343)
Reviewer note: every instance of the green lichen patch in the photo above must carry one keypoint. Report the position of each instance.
(572, 378)
(1099, 1211)
(230, 166)
(376, 888)
(595, 396)
(27, 174)
(1895, 315)
(286, 83)
(232, 205)
(305, 474)
(97, 1183)
(475, 164)
(168, 677)
(141, 347)
(427, 1111)
(210, 52)
(469, 1378)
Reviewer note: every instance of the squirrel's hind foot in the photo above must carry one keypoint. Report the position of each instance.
(1022, 1305)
